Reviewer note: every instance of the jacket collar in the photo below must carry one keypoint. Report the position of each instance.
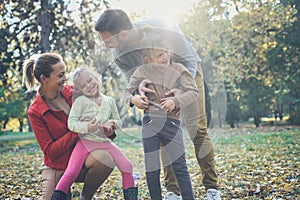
(43, 106)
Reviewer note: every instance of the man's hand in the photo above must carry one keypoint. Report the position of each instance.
(143, 87)
(173, 92)
(167, 104)
(141, 102)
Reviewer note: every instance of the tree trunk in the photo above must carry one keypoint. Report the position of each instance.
(21, 124)
(45, 24)
(220, 118)
(281, 111)
(5, 123)
(257, 120)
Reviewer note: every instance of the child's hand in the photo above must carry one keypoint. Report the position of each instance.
(107, 130)
(167, 104)
(85, 118)
(93, 125)
(110, 123)
(140, 101)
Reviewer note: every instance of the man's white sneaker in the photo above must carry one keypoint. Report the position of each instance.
(172, 196)
(213, 194)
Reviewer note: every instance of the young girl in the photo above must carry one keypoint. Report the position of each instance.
(161, 123)
(95, 117)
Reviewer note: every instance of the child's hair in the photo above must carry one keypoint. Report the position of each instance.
(76, 75)
(152, 40)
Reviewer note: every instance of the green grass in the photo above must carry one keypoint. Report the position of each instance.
(18, 141)
(251, 142)
(129, 138)
(13, 136)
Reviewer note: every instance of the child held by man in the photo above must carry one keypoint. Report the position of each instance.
(161, 120)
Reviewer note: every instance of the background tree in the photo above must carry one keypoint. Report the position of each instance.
(30, 27)
(283, 59)
(237, 43)
(202, 26)
(249, 47)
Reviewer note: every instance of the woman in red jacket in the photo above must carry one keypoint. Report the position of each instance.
(48, 115)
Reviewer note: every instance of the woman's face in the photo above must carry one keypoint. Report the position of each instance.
(87, 84)
(57, 78)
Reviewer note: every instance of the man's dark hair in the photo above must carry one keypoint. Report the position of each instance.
(113, 21)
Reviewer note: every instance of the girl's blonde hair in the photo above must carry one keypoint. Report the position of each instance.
(76, 75)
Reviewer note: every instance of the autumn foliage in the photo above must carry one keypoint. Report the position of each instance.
(252, 163)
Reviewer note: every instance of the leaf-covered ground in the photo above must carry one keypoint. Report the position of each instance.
(252, 163)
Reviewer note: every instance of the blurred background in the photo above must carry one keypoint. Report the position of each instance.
(250, 51)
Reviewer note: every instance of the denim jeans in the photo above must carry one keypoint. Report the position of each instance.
(166, 131)
(194, 118)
